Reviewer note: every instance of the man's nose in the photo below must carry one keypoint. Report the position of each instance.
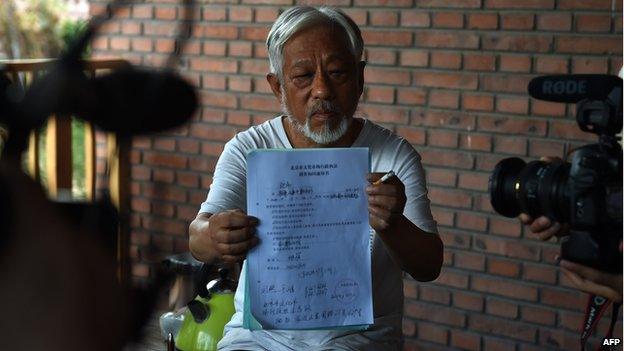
(321, 87)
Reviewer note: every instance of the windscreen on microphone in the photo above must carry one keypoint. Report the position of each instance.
(573, 88)
(137, 101)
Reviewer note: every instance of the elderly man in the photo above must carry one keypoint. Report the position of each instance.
(317, 75)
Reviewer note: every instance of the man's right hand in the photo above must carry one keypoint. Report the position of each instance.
(225, 236)
(543, 227)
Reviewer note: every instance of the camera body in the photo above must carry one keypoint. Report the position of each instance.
(586, 192)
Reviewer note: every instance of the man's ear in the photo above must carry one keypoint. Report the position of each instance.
(360, 68)
(275, 84)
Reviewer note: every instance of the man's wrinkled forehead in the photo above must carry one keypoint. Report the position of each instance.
(308, 41)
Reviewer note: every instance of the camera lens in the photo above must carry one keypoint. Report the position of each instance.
(537, 188)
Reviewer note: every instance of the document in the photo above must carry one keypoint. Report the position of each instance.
(312, 268)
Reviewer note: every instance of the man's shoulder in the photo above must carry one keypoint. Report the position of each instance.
(263, 135)
(378, 135)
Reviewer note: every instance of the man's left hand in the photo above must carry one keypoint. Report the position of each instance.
(386, 201)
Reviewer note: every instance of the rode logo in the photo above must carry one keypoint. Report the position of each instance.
(564, 87)
(611, 342)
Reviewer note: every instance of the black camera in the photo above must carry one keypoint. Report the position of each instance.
(586, 192)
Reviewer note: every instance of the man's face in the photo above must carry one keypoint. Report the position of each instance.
(322, 82)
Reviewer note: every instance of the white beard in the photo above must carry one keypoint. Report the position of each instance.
(326, 135)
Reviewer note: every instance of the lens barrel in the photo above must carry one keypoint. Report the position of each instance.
(538, 188)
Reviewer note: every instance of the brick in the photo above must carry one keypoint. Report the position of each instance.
(442, 138)
(525, 4)
(495, 344)
(260, 51)
(589, 65)
(517, 21)
(515, 63)
(588, 45)
(433, 333)
(142, 11)
(411, 96)
(482, 21)
(257, 67)
(214, 13)
(538, 148)
(165, 13)
(538, 315)
(415, 19)
(381, 56)
(380, 94)
(453, 239)
(260, 103)
(448, 20)
(237, 118)
(446, 80)
(413, 58)
(163, 29)
(518, 43)
(218, 99)
(444, 98)
(449, 197)
(569, 299)
(164, 144)
(131, 28)
(503, 327)
(408, 328)
(140, 172)
(473, 181)
(239, 83)
(479, 62)
(120, 44)
(509, 104)
(475, 142)
(140, 205)
(568, 130)
(434, 294)
(447, 158)
(470, 261)
(212, 65)
(219, 32)
(188, 146)
(439, 176)
(501, 308)
(454, 39)
(584, 4)
(240, 14)
(385, 114)
(213, 81)
(471, 221)
(471, 102)
(213, 132)
(242, 49)
(164, 45)
(164, 159)
(559, 22)
(506, 227)
(359, 16)
(187, 179)
(163, 176)
(539, 273)
(503, 267)
(163, 209)
(386, 76)
(413, 135)
(510, 145)
(437, 314)
(505, 83)
(551, 65)
(593, 23)
(547, 108)
(465, 341)
(450, 3)
(468, 301)
(384, 18)
(446, 60)
(163, 192)
(390, 3)
(446, 119)
(392, 38)
(512, 125)
(266, 14)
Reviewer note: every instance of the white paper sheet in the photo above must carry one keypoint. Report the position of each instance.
(312, 268)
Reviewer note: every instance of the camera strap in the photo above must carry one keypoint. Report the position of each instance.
(596, 306)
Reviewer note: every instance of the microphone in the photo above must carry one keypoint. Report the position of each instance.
(135, 101)
(573, 88)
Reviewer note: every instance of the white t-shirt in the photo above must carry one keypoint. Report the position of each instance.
(388, 152)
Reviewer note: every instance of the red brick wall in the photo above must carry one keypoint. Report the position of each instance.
(448, 75)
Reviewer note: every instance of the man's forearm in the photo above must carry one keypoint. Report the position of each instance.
(200, 245)
(417, 252)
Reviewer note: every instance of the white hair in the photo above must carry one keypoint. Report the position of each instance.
(298, 18)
